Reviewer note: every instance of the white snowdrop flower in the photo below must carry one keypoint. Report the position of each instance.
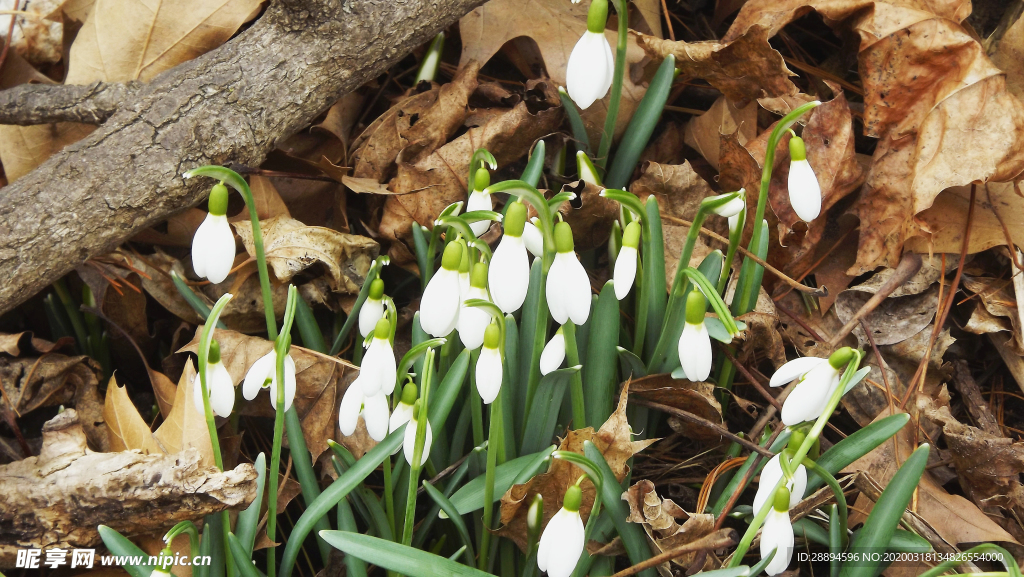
(509, 271)
(480, 199)
(591, 66)
(777, 535)
(464, 269)
(439, 307)
(728, 205)
(568, 286)
(562, 541)
(533, 238)
(378, 371)
(409, 444)
(372, 309)
(473, 321)
(403, 412)
(219, 383)
(804, 191)
(695, 342)
(488, 365)
(372, 408)
(553, 354)
(263, 373)
(819, 379)
(770, 476)
(213, 246)
(586, 169)
(625, 263)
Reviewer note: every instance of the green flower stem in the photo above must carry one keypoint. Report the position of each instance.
(303, 463)
(734, 243)
(389, 494)
(281, 347)
(621, 11)
(837, 491)
(746, 294)
(588, 533)
(417, 454)
(185, 527)
(475, 403)
(495, 442)
(572, 357)
(364, 291)
(235, 181)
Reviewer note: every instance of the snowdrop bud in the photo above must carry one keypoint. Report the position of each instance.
(586, 169)
(568, 286)
(379, 371)
(591, 66)
(535, 516)
(841, 358)
(473, 321)
(563, 538)
(480, 199)
(731, 207)
(509, 273)
(804, 191)
(213, 246)
(409, 443)
(219, 384)
(533, 238)
(625, 262)
(439, 307)
(695, 342)
(373, 308)
(264, 372)
(488, 366)
(777, 535)
(553, 354)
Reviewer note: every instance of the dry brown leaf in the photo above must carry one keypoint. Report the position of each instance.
(614, 440)
(185, 427)
(592, 222)
(126, 428)
(50, 380)
(694, 398)
(762, 338)
(27, 343)
(555, 26)
(998, 220)
(895, 320)
(744, 69)
(321, 381)
(703, 133)
(998, 305)
(292, 247)
(658, 518)
(342, 117)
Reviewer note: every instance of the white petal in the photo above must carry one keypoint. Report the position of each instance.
(409, 445)
(625, 271)
(389, 371)
(804, 191)
(695, 352)
(770, 475)
(375, 415)
(555, 291)
(222, 390)
(793, 370)
(588, 74)
(371, 312)
(401, 416)
(348, 412)
(473, 321)
(488, 374)
(439, 307)
(378, 368)
(810, 396)
(509, 274)
(564, 535)
(479, 200)
(197, 394)
(258, 374)
(553, 354)
(200, 241)
(464, 287)
(578, 293)
(221, 251)
(533, 238)
(777, 535)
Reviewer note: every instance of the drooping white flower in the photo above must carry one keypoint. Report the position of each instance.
(509, 271)
(586, 169)
(372, 408)
(568, 286)
(480, 199)
(373, 308)
(488, 366)
(378, 371)
(220, 384)
(533, 238)
(553, 354)
(562, 541)
(728, 205)
(770, 475)
(804, 190)
(409, 444)
(439, 307)
(213, 246)
(625, 262)
(819, 379)
(263, 373)
(473, 321)
(777, 535)
(403, 412)
(695, 342)
(591, 66)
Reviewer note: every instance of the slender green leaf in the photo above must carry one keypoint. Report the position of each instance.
(242, 558)
(600, 374)
(354, 566)
(641, 126)
(250, 517)
(193, 300)
(470, 497)
(533, 335)
(454, 517)
(535, 167)
(543, 413)
(119, 545)
(809, 530)
(398, 558)
(630, 365)
(579, 131)
(654, 277)
(836, 534)
(855, 446)
(312, 338)
(1012, 569)
(303, 463)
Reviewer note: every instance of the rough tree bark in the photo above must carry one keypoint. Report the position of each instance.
(232, 104)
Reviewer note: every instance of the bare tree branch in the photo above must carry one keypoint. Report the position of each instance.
(30, 104)
(233, 104)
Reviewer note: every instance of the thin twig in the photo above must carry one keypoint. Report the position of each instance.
(743, 483)
(757, 384)
(908, 267)
(718, 540)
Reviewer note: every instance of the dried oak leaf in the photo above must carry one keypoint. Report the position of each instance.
(292, 247)
(895, 320)
(997, 310)
(938, 104)
(320, 382)
(27, 343)
(185, 427)
(743, 69)
(694, 398)
(658, 518)
(125, 426)
(439, 177)
(998, 219)
(704, 133)
(613, 439)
